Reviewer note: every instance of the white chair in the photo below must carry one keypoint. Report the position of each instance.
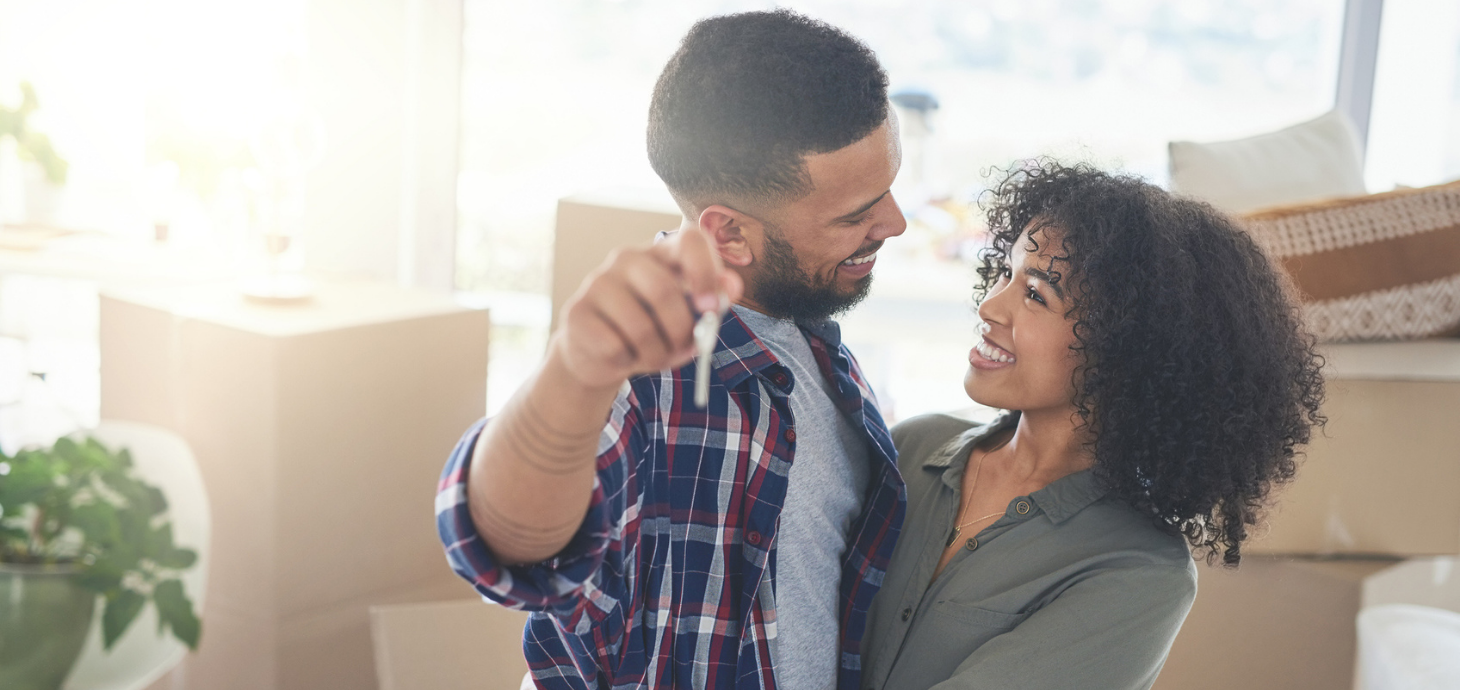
(449, 645)
(141, 656)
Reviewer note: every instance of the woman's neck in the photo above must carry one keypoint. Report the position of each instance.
(1046, 446)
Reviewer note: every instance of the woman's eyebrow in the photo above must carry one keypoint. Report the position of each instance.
(1037, 273)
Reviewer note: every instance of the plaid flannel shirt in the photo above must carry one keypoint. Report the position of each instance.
(670, 581)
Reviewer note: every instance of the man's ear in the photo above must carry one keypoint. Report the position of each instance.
(732, 232)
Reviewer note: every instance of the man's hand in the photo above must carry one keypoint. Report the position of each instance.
(633, 315)
(532, 472)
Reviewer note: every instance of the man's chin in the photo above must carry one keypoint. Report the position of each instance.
(853, 294)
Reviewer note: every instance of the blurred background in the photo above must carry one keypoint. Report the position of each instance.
(278, 227)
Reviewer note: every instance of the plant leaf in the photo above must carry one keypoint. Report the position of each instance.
(155, 502)
(120, 612)
(97, 521)
(176, 610)
(158, 543)
(102, 577)
(178, 559)
(28, 481)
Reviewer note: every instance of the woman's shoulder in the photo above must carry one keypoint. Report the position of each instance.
(919, 437)
(928, 429)
(1136, 541)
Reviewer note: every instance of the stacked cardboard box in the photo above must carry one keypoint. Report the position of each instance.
(1373, 518)
(320, 430)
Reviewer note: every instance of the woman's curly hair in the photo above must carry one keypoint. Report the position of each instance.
(1197, 379)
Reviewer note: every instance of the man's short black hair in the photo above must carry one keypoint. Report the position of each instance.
(747, 96)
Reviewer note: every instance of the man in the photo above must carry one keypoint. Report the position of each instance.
(738, 545)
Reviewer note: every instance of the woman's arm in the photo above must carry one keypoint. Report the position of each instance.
(1110, 631)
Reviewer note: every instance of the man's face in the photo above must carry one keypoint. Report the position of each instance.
(815, 255)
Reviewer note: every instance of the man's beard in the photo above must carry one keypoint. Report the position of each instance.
(786, 291)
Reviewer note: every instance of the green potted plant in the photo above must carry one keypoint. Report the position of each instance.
(77, 523)
(34, 147)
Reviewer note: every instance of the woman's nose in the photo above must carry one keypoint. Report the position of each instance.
(992, 310)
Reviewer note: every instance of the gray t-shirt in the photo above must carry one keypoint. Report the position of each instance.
(1070, 589)
(824, 495)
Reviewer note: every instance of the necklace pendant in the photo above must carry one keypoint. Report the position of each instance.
(952, 537)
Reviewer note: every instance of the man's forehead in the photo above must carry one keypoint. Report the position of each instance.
(852, 179)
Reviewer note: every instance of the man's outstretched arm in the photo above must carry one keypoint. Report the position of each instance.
(531, 474)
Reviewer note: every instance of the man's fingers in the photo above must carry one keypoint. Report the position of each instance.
(700, 268)
(631, 317)
(601, 343)
(659, 289)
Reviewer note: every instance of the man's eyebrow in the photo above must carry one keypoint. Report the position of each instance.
(865, 208)
(1040, 274)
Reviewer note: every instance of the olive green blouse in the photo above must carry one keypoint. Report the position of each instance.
(1069, 589)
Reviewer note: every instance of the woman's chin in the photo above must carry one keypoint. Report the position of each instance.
(982, 392)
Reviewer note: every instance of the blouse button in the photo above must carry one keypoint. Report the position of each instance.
(790, 435)
(753, 538)
(1022, 507)
(906, 614)
(972, 544)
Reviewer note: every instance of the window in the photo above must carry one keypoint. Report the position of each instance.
(1414, 133)
(152, 103)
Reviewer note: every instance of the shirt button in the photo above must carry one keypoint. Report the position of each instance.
(906, 614)
(972, 544)
(1022, 507)
(790, 435)
(753, 538)
(779, 378)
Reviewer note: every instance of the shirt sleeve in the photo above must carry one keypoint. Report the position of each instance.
(588, 572)
(1112, 630)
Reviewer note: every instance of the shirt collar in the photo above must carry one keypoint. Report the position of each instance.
(1060, 500)
(740, 354)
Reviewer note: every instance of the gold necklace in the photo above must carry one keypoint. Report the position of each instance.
(958, 529)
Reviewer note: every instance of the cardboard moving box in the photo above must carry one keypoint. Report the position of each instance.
(590, 225)
(1291, 623)
(1384, 478)
(320, 431)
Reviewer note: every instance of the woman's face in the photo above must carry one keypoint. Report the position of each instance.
(1024, 361)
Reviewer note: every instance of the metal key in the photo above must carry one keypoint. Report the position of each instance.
(706, 334)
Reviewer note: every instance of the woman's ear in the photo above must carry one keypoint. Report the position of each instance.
(731, 231)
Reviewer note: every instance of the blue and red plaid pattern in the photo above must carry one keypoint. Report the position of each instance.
(670, 582)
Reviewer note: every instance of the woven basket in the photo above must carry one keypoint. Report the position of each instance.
(1375, 267)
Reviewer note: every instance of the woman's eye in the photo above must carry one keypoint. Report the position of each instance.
(1033, 294)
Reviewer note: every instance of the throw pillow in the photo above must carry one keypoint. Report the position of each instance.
(1376, 267)
(1318, 159)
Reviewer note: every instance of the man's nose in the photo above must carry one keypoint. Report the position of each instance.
(891, 224)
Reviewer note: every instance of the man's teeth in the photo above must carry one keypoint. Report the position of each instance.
(991, 352)
(863, 260)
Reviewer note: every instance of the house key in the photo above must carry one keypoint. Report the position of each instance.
(706, 334)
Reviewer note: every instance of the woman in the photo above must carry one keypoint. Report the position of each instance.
(1158, 382)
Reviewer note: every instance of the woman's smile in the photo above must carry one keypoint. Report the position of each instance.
(986, 355)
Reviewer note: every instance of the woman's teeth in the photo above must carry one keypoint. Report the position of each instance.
(991, 352)
(862, 260)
